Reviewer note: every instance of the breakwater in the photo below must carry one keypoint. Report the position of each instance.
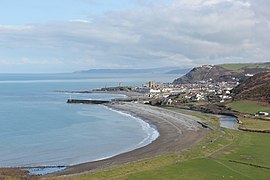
(81, 101)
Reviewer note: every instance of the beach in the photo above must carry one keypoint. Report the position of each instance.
(176, 132)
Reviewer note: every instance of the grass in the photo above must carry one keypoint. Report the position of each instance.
(238, 67)
(254, 124)
(250, 107)
(234, 67)
(201, 168)
(15, 174)
(247, 148)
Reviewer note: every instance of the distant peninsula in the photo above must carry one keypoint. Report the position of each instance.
(163, 70)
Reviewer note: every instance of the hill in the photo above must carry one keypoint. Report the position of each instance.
(178, 71)
(256, 88)
(164, 70)
(224, 72)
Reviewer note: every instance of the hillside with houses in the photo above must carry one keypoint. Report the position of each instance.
(224, 72)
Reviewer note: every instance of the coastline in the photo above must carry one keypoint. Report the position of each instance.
(176, 132)
(130, 94)
(144, 124)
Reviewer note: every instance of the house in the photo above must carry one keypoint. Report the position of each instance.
(262, 114)
(197, 97)
(154, 90)
(169, 102)
(249, 75)
(227, 92)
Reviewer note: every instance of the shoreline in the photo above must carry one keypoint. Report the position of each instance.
(144, 124)
(176, 132)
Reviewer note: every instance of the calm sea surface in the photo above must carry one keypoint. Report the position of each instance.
(38, 127)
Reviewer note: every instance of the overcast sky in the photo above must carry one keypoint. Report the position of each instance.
(71, 35)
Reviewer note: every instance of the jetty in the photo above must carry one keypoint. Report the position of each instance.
(83, 101)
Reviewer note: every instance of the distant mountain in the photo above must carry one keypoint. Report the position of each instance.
(224, 72)
(164, 70)
(255, 88)
(178, 71)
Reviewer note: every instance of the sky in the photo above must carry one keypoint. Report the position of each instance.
(38, 36)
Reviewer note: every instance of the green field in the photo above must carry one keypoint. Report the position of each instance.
(235, 155)
(250, 107)
(238, 67)
(254, 124)
(234, 67)
(236, 161)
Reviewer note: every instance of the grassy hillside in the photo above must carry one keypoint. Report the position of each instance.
(255, 88)
(205, 73)
(238, 67)
(223, 72)
(234, 67)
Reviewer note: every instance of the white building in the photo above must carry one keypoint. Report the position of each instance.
(262, 114)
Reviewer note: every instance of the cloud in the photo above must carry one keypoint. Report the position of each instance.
(179, 33)
(27, 61)
(6, 28)
(147, 2)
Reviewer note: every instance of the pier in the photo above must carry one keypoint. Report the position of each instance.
(80, 101)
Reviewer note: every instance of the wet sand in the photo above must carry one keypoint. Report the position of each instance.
(177, 132)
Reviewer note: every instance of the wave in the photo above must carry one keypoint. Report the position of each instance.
(152, 132)
(149, 129)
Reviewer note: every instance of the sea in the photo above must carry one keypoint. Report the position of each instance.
(38, 127)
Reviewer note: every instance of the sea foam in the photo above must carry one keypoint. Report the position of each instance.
(151, 131)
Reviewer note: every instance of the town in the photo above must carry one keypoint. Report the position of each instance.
(204, 91)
